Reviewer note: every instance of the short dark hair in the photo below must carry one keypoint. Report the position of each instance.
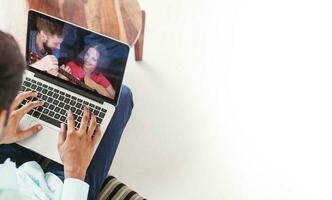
(12, 67)
(49, 26)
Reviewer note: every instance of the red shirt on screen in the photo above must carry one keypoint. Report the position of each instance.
(78, 72)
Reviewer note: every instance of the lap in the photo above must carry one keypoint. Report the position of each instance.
(18, 154)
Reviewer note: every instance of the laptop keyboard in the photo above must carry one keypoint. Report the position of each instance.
(57, 103)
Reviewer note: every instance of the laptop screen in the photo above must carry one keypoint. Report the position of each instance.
(86, 60)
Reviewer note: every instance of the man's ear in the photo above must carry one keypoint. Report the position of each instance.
(43, 36)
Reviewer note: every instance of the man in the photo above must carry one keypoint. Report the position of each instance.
(22, 172)
(45, 43)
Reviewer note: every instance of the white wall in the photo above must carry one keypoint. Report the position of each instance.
(233, 101)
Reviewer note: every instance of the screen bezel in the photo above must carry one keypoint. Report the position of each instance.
(58, 81)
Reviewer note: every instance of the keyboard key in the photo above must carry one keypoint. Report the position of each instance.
(57, 116)
(63, 112)
(51, 114)
(73, 109)
(56, 102)
(61, 98)
(44, 86)
(96, 112)
(97, 108)
(40, 109)
(74, 98)
(101, 115)
(45, 111)
(36, 114)
(79, 100)
(33, 86)
(57, 109)
(67, 107)
(44, 91)
(28, 79)
(91, 105)
(50, 120)
(68, 95)
(56, 90)
(51, 107)
(61, 105)
(62, 119)
(27, 84)
(78, 105)
(49, 93)
(33, 81)
(50, 99)
(99, 120)
(85, 103)
(67, 100)
(72, 102)
(39, 89)
(55, 95)
(62, 93)
(78, 112)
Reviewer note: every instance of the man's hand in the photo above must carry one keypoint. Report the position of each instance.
(53, 72)
(76, 147)
(48, 63)
(67, 69)
(12, 132)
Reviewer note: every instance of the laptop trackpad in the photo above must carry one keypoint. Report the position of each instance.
(44, 142)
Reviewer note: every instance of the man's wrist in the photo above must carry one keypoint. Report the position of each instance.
(75, 173)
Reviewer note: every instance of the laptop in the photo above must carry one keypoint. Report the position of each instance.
(87, 70)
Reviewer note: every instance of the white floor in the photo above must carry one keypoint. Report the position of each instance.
(232, 101)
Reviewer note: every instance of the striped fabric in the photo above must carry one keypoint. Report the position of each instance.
(114, 190)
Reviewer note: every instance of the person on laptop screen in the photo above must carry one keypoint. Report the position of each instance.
(45, 43)
(87, 67)
(75, 55)
(28, 175)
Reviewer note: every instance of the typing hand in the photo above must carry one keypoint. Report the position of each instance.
(76, 147)
(12, 133)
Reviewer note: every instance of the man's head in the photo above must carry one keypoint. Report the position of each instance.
(51, 33)
(12, 67)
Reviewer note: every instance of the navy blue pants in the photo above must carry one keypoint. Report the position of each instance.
(102, 159)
